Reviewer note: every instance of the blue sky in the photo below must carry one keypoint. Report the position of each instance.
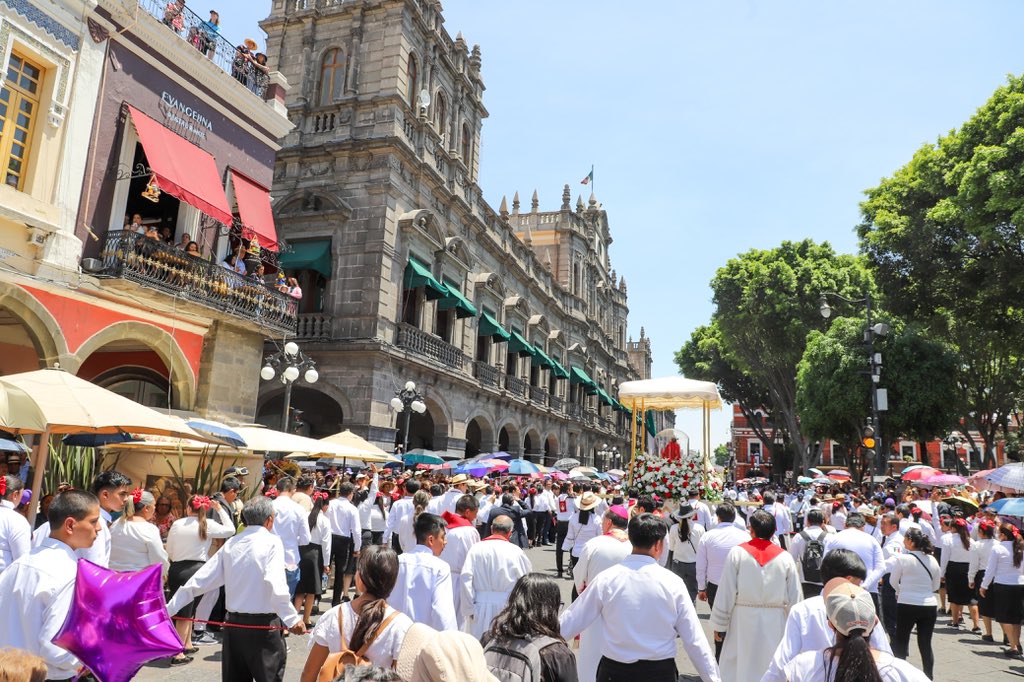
(714, 127)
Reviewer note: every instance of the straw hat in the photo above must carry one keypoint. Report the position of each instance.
(250, 43)
(588, 501)
(431, 656)
(458, 478)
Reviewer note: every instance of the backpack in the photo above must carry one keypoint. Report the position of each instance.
(516, 660)
(814, 551)
(336, 663)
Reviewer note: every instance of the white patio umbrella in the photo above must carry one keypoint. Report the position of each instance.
(261, 439)
(1009, 477)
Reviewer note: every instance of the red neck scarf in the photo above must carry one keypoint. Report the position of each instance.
(455, 520)
(763, 551)
(495, 537)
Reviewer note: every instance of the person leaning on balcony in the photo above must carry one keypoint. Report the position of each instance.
(207, 34)
(183, 244)
(241, 67)
(174, 15)
(294, 290)
(193, 250)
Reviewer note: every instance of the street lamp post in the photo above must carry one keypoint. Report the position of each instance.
(287, 365)
(874, 369)
(605, 453)
(408, 400)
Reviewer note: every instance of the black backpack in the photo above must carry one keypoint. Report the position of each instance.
(814, 551)
(516, 660)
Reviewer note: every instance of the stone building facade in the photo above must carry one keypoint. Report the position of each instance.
(512, 323)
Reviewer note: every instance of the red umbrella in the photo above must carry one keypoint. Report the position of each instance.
(920, 474)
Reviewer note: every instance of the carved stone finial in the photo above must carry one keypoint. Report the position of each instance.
(566, 198)
(622, 285)
(579, 204)
(643, 333)
(515, 203)
(474, 58)
(460, 41)
(593, 201)
(503, 211)
(534, 202)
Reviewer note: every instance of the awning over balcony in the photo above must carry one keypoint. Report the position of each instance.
(578, 376)
(254, 208)
(605, 398)
(182, 169)
(558, 370)
(490, 327)
(314, 254)
(457, 302)
(418, 275)
(542, 359)
(519, 345)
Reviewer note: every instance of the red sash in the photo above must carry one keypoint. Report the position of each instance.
(495, 537)
(763, 551)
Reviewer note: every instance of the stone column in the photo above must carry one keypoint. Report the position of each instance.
(229, 373)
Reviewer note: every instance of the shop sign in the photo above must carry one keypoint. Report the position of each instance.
(184, 118)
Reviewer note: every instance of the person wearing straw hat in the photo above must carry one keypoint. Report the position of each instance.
(459, 486)
(584, 525)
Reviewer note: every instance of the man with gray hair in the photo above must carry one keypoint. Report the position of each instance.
(250, 567)
(491, 570)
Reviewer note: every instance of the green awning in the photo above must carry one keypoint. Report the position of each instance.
(520, 345)
(542, 358)
(314, 254)
(455, 300)
(559, 371)
(418, 275)
(490, 327)
(605, 398)
(578, 376)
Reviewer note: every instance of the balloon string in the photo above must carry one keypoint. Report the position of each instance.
(230, 625)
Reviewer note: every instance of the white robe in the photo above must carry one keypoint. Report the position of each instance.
(752, 605)
(598, 554)
(491, 570)
(460, 540)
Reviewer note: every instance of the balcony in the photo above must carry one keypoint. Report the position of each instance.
(605, 423)
(315, 327)
(516, 386)
(539, 396)
(556, 403)
(155, 265)
(190, 27)
(485, 374)
(575, 411)
(589, 417)
(430, 346)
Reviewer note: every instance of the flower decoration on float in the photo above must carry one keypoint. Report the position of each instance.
(654, 475)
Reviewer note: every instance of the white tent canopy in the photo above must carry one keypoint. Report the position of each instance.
(670, 393)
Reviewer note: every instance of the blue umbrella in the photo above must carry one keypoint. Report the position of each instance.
(1009, 476)
(522, 467)
(221, 432)
(394, 465)
(999, 504)
(9, 444)
(472, 469)
(96, 440)
(422, 457)
(1011, 506)
(495, 455)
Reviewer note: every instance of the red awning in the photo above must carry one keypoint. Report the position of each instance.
(254, 208)
(183, 170)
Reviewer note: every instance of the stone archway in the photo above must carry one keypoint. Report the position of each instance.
(479, 436)
(551, 453)
(25, 323)
(313, 413)
(508, 439)
(532, 447)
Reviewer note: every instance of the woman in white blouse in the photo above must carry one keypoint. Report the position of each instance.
(915, 578)
(683, 538)
(314, 558)
(1004, 584)
(134, 541)
(584, 525)
(985, 531)
(367, 622)
(188, 547)
(957, 546)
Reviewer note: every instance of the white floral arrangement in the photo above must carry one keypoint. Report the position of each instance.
(653, 475)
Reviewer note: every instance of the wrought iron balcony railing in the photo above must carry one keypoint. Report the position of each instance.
(539, 395)
(516, 386)
(428, 345)
(156, 265)
(556, 403)
(198, 33)
(487, 375)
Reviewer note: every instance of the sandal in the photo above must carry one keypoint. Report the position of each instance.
(181, 661)
(191, 650)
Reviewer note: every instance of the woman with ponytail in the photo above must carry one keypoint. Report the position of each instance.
(420, 500)
(1003, 585)
(915, 577)
(986, 530)
(851, 614)
(956, 549)
(188, 547)
(312, 558)
(135, 542)
(366, 619)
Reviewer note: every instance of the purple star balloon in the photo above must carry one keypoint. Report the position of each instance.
(118, 621)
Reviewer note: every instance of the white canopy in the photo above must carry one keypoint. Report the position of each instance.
(669, 393)
(262, 439)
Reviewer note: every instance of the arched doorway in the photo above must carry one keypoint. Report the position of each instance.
(550, 450)
(313, 413)
(132, 370)
(508, 439)
(421, 430)
(531, 445)
(479, 437)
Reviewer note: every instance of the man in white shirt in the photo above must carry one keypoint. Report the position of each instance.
(423, 590)
(703, 516)
(346, 540)
(292, 526)
(461, 535)
(111, 488)
(489, 573)
(251, 568)
(643, 608)
(543, 504)
(712, 550)
(459, 486)
(807, 627)
(892, 546)
(15, 533)
(813, 537)
(565, 507)
(854, 538)
(38, 588)
(783, 521)
(436, 499)
(400, 519)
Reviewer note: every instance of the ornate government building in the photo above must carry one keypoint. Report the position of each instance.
(511, 322)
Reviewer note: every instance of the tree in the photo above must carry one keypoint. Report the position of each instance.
(767, 301)
(722, 455)
(943, 238)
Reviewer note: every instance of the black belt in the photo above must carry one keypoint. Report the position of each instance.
(251, 618)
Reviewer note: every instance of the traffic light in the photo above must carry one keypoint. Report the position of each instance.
(868, 438)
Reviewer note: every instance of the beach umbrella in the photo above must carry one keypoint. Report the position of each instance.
(940, 480)
(522, 467)
(920, 473)
(839, 475)
(1008, 476)
(567, 463)
(1012, 506)
(368, 452)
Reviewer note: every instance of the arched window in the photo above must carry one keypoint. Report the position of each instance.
(467, 148)
(412, 78)
(332, 76)
(440, 113)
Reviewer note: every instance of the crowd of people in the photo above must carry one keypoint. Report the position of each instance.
(432, 579)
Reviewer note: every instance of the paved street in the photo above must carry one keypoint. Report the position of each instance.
(960, 656)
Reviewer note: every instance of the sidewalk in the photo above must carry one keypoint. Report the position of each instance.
(959, 656)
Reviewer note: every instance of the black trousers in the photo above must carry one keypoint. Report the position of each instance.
(561, 530)
(712, 591)
(341, 552)
(573, 560)
(648, 671)
(887, 596)
(249, 655)
(908, 616)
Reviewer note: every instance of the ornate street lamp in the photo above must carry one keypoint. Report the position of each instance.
(287, 366)
(408, 400)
